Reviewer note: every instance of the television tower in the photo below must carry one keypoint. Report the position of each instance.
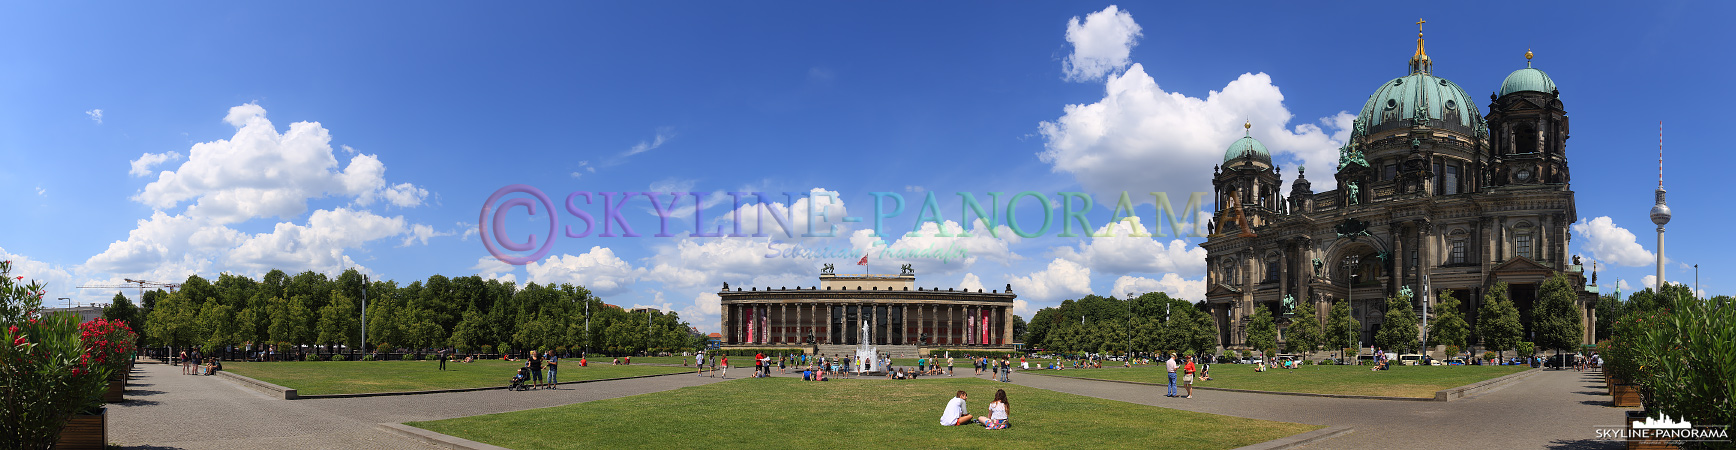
(1660, 211)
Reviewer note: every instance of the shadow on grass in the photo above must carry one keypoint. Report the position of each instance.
(1585, 444)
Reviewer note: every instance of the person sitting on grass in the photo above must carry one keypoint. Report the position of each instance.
(997, 419)
(955, 413)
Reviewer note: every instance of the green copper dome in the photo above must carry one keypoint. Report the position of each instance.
(1527, 79)
(1439, 102)
(1247, 146)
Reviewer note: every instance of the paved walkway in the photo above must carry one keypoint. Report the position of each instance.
(1552, 409)
(168, 410)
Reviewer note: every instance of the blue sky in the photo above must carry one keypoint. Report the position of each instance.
(411, 115)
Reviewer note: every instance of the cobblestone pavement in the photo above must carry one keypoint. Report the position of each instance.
(165, 409)
(1552, 409)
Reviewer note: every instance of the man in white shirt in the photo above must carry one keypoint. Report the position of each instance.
(955, 411)
(1170, 365)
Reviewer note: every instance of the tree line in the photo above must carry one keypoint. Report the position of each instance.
(1147, 324)
(1154, 323)
(468, 314)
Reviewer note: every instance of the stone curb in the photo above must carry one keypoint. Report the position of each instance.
(287, 393)
(1250, 391)
(442, 440)
(1299, 440)
(291, 395)
(1447, 395)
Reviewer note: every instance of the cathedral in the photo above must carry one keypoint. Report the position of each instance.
(1432, 195)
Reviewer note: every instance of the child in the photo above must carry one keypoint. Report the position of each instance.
(997, 419)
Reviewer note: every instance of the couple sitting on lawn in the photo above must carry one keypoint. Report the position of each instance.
(955, 413)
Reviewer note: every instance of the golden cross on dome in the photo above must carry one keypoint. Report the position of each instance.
(1420, 23)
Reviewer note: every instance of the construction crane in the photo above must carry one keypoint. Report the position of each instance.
(141, 284)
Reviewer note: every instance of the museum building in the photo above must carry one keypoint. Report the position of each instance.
(893, 308)
(1431, 196)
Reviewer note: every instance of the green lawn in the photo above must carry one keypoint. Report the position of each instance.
(1401, 381)
(786, 412)
(351, 377)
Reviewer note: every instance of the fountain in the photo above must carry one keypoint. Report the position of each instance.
(867, 357)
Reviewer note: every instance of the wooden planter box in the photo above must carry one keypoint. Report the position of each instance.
(1626, 395)
(116, 388)
(1648, 443)
(85, 431)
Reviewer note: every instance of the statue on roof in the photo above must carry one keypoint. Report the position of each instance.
(906, 270)
(1289, 304)
(825, 269)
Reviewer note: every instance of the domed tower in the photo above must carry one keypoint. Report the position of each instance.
(1529, 130)
(1247, 187)
(1416, 136)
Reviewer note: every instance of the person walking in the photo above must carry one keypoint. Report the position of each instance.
(699, 362)
(1170, 366)
(949, 365)
(442, 360)
(723, 370)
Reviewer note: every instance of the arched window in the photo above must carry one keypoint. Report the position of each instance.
(1522, 236)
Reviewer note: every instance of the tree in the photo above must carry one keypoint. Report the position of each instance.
(1557, 320)
(215, 326)
(123, 310)
(1398, 330)
(1498, 321)
(1019, 329)
(171, 322)
(1449, 326)
(1303, 335)
(338, 322)
(1341, 329)
(1262, 333)
(1609, 308)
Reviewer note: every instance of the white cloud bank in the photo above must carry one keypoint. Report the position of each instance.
(1612, 244)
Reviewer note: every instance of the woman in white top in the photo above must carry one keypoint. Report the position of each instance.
(997, 419)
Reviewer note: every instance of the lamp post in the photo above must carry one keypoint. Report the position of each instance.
(363, 313)
(68, 302)
(1350, 264)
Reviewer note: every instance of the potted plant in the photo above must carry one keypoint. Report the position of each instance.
(109, 344)
(47, 368)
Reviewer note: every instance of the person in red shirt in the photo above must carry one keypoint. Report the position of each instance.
(1188, 376)
(723, 372)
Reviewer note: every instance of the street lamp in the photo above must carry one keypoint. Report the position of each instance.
(68, 302)
(1350, 264)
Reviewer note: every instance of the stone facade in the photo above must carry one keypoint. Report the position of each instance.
(1430, 195)
(896, 311)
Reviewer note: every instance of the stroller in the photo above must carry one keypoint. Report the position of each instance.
(518, 380)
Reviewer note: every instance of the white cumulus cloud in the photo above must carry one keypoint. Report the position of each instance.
(1140, 138)
(260, 172)
(142, 166)
(598, 270)
(1610, 243)
(1101, 44)
(1128, 248)
(95, 115)
(1171, 284)
(1061, 279)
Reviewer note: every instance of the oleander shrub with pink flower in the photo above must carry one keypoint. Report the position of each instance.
(48, 371)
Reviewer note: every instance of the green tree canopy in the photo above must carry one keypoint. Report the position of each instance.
(1398, 328)
(1303, 335)
(1557, 321)
(1448, 327)
(1498, 321)
(1341, 329)
(1262, 332)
